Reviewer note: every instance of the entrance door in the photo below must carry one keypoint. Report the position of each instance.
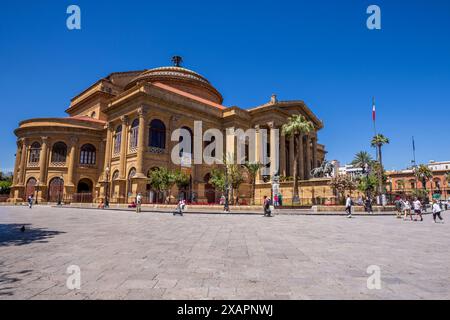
(56, 190)
(30, 188)
(210, 191)
(84, 191)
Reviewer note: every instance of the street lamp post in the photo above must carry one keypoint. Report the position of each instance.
(60, 191)
(37, 192)
(226, 207)
(107, 187)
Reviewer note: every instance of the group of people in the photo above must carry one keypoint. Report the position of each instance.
(405, 207)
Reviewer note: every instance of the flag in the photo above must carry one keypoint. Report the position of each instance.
(373, 110)
(414, 145)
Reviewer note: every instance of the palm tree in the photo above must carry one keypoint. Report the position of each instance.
(362, 160)
(423, 173)
(296, 126)
(377, 142)
(252, 169)
(401, 184)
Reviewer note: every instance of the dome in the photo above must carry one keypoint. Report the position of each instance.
(182, 79)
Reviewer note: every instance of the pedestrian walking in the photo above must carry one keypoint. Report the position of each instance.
(437, 211)
(417, 209)
(406, 208)
(368, 205)
(348, 206)
(30, 201)
(266, 206)
(398, 207)
(180, 207)
(138, 203)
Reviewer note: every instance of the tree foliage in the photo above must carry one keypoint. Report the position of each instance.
(296, 126)
(423, 173)
(252, 170)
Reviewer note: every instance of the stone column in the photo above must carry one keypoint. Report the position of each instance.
(108, 151)
(23, 162)
(282, 155)
(308, 157)
(301, 161)
(258, 150)
(123, 148)
(314, 151)
(72, 161)
(43, 161)
(169, 143)
(274, 149)
(141, 145)
(291, 156)
(17, 162)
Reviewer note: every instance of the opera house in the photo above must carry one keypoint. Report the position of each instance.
(120, 127)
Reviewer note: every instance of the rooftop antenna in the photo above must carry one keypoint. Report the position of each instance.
(177, 60)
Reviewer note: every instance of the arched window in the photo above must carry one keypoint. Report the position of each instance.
(131, 175)
(87, 154)
(134, 135)
(30, 187)
(157, 135)
(115, 175)
(59, 152)
(437, 183)
(117, 139)
(35, 151)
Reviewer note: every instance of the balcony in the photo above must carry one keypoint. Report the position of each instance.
(33, 165)
(156, 150)
(58, 164)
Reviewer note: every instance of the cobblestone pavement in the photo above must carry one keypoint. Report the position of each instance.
(124, 255)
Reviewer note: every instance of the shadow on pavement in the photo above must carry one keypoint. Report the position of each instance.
(9, 282)
(11, 234)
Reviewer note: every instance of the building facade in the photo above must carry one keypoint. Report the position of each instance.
(121, 127)
(405, 182)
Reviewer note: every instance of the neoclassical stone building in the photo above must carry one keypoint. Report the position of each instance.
(120, 128)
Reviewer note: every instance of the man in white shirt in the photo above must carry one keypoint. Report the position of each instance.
(417, 209)
(436, 211)
(348, 206)
(138, 203)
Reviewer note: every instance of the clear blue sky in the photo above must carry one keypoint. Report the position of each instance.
(317, 51)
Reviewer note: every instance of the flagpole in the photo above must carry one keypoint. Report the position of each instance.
(374, 118)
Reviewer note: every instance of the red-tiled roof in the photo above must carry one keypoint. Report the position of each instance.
(86, 118)
(188, 95)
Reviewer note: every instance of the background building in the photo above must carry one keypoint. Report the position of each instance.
(405, 182)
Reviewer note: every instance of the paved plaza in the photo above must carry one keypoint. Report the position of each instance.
(154, 255)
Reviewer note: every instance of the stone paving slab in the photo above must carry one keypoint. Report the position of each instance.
(154, 255)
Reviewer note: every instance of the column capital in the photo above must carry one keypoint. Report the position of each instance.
(124, 120)
(109, 125)
(271, 124)
(142, 111)
(44, 139)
